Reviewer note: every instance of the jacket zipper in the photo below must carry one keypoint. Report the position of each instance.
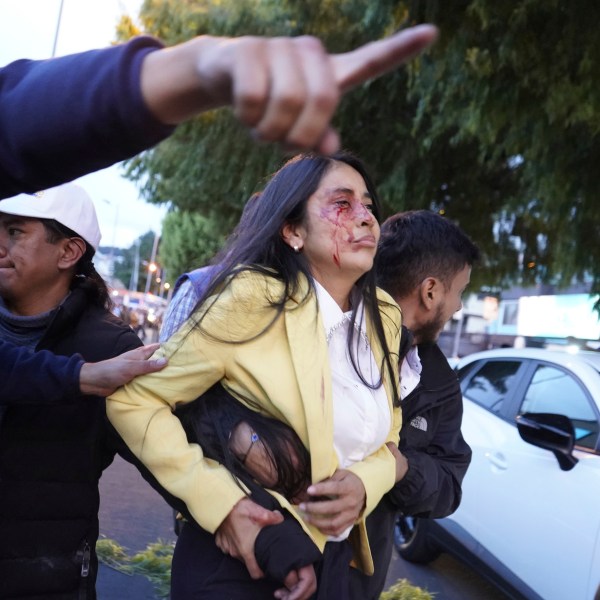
(85, 563)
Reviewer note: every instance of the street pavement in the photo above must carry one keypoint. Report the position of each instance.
(134, 515)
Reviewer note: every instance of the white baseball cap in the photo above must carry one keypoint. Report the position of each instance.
(68, 204)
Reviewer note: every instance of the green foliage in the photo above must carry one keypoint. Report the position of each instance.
(497, 127)
(111, 553)
(403, 590)
(190, 241)
(154, 562)
(518, 81)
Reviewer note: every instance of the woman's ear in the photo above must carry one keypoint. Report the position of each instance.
(293, 236)
(72, 250)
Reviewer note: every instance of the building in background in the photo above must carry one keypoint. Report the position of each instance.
(541, 316)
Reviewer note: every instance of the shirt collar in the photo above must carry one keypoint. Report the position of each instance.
(333, 316)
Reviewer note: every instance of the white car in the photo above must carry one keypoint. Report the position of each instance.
(530, 514)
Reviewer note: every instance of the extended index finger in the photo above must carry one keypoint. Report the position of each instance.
(377, 58)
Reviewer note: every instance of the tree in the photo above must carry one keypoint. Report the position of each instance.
(190, 240)
(497, 127)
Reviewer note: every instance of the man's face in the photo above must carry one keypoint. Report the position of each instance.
(448, 301)
(28, 262)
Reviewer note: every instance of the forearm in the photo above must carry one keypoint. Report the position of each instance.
(174, 85)
(432, 485)
(378, 474)
(64, 117)
(141, 412)
(50, 378)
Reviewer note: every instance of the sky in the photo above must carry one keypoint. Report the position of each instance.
(28, 29)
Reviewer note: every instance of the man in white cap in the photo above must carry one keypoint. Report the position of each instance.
(52, 456)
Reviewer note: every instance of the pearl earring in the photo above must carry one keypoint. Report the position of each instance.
(296, 249)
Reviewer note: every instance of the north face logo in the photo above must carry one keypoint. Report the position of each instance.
(419, 423)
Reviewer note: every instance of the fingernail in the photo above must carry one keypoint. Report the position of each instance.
(311, 490)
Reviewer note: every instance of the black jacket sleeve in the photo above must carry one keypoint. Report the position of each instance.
(432, 485)
(49, 378)
(64, 117)
(431, 440)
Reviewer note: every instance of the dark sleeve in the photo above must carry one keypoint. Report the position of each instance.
(64, 117)
(281, 548)
(49, 378)
(432, 485)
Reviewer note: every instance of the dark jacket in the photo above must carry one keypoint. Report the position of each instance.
(51, 458)
(438, 458)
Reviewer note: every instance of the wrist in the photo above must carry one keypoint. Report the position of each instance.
(172, 81)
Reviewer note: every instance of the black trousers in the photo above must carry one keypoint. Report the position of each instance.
(200, 571)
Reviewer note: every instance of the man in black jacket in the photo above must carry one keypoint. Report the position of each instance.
(52, 456)
(424, 261)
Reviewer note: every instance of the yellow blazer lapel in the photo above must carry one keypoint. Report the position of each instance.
(308, 349)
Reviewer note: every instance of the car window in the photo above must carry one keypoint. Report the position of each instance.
(553, 390)
(490, 385)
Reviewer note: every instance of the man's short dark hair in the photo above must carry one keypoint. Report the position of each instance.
(417, 244)
(99, 293)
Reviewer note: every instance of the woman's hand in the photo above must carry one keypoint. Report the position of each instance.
(237, 533)
(401, 462)
(300, 584)
(336, 503)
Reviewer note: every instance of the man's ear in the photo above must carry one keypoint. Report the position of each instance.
(72, 250)
(293, 236)
(429, 291)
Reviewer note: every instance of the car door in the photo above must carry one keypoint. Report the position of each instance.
(538, 520)
(487, 391)
(563, 504)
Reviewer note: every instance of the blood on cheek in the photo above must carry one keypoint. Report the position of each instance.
(342, 219)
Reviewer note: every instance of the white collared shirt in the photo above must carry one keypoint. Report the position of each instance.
(361, 415)
(410, 372)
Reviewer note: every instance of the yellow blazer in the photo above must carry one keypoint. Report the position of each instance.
(284, 370)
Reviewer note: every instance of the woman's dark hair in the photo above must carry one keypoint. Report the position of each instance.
(210, 420)
(257, 245)
(100, 295)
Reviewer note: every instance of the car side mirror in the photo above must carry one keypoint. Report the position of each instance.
(550, 432)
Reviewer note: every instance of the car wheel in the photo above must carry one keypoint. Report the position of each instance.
(413, 541)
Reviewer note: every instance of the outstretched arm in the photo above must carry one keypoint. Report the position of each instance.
(50, 378)
(103, 378)
(63, 379)
(68, 116)
(285, 89)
